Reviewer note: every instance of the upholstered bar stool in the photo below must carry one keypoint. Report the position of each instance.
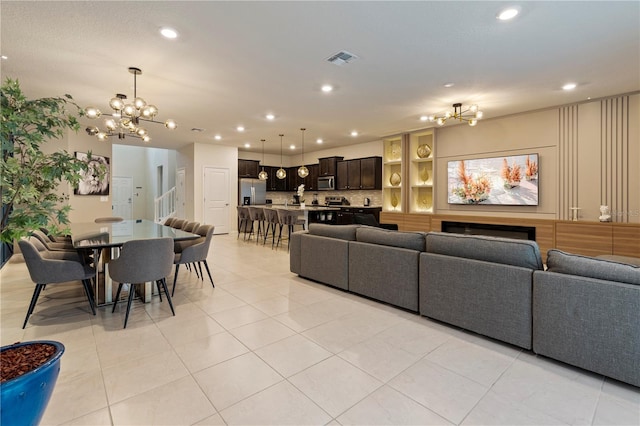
(272, 222)
(256, 214)
(290, 219)
(243, 220)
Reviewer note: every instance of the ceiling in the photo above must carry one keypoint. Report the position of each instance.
(234, 62)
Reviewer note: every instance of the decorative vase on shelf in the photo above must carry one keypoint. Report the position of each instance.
(395, 180)
(394, 200)
(424, 174)
(302, 205)
(395, 152)
(423, 151)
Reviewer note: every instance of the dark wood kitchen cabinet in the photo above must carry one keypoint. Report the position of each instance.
(327, 166)
(359, 173)
(273, 183)
(248, 168)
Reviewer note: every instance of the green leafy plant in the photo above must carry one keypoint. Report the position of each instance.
(29, 177)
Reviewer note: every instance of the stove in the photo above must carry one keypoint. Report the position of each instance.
(335, 200)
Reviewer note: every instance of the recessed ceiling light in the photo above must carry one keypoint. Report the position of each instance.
(217, 137)
(292, 147)
(424, 118)
(247, 145)
(269, 116)
(506, 14)
(169, 33)
(327, 88)
(448, 85)
(4, 57)
(354, 133)
(240, 128)
(569, 86)
(319, 140)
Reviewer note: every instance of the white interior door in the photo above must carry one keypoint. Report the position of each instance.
(180, 193)
(122, 198)
(216, 199)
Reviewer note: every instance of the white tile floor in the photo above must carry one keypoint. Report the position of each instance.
(267, 347)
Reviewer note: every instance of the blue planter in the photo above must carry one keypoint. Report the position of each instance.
(24, 398)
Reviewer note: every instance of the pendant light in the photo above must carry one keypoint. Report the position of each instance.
(263, 175)
(303, 172)
(281, 173)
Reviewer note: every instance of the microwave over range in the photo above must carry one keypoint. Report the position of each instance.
(326, 183)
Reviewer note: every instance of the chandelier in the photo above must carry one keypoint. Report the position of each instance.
(471, 115)
(281, 173)
(127, 118)
(303, 172)
(263, 175)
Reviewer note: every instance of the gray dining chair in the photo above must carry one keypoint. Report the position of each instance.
(178, 223)
(169, 221)
(55, 238)
(190, 226)
(195, 253)
(44, 271)
(141, 261)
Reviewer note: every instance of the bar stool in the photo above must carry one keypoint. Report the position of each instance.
(256, 214)
(289, 218)
(243, 220)
(271, 219)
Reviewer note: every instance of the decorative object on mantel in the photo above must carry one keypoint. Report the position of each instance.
(575, 213)
(471, 115)
(423, 151)
(126, 118)
(281, 173)
(605, 215)
(395, 179)
(424, 174)
(511, 174)
(303, 172)
(263, 175)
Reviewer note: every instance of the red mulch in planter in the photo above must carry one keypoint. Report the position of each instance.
(15, 362)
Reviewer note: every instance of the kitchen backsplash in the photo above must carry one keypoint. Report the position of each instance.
(356, 198)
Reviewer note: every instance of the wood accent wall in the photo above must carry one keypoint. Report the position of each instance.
(579, 237)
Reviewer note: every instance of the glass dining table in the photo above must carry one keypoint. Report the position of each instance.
(105, 241)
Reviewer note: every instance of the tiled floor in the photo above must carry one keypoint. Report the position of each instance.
(267, 347)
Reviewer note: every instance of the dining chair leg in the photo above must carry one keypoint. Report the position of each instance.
(87, 289)
(195, 268)
(32, 305)
(163, 282)
(129, 302)
(175, 278)
(159, 290)
(206, 265)
(115, 301)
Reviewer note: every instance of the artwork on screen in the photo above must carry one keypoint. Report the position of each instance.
(507, 180)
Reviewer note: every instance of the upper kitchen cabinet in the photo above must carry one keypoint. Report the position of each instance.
(421, 172)
(392, 173)
(359, 173)
(328, 166)
(248, 168)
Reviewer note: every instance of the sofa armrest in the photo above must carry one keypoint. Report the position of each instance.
(325, 259)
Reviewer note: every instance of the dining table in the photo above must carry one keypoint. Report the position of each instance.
(104, 240)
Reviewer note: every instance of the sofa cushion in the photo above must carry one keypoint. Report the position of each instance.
(407, 240)
(342, 232)
(574, 264)
(508, 251)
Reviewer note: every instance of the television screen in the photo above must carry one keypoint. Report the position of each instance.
(507, 180)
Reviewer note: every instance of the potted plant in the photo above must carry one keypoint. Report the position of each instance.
(29, 177)
(28, 374)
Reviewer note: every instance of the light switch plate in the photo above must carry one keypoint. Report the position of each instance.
(104, 199)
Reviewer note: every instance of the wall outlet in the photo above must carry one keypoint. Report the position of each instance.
(104, 199)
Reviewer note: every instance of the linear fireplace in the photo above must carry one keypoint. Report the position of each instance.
(506, 231)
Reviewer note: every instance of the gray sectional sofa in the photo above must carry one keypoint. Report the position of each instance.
(582, 311)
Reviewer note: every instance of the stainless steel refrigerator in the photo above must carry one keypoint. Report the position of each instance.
(252, 191)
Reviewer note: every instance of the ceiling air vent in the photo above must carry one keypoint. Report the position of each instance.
(341, 58)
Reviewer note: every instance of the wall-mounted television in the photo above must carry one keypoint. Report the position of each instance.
(507, 180)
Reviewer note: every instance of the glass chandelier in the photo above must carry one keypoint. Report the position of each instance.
(303, 172)
(471, 115)
(126, 117)
(281, 173)
(263, 175)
